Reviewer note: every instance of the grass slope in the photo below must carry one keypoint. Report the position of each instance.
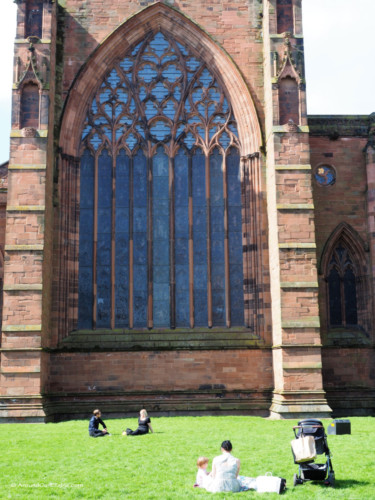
(61, 461)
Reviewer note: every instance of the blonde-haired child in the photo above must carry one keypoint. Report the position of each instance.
(204, 478)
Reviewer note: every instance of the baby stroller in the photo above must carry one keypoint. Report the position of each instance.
(311, 471)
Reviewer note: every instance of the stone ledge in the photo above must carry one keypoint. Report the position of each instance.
(24, 166)
(299, 345)
(21, 369)
(299, 284)
(20, 248)
(25, 208)
(302, 366)
(312, 322)
(26, 41)
(295, 206)
(20, 349)
(292, 244)
(22, 328)
(23, 287)
(40, 134)
(282, 35)
(282, 168)
(130, 340)
(282, 129)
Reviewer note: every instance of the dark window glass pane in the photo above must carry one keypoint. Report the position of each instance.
(334, 290)
(122, 242)
(199, 239)
(217, 238)
(181, 203)
(86, 224)
(288, 100)
(103, 269)
(140, 239)
(235, 239)
(30, 106)
(284, 16)
(34, 18)
(350, 298)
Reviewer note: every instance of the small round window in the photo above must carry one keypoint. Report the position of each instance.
(325, 175)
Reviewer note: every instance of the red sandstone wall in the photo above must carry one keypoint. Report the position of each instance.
(345, 201)
(160, 371)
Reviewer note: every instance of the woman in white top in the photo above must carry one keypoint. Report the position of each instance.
(225, 469)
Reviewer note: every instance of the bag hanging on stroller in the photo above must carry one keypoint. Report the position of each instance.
(308, 470)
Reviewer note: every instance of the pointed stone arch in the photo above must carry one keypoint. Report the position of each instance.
(154, 19)
(344, 254)
(352, 240)
(151, 19)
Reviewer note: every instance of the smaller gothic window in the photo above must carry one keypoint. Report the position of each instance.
(325, 175)
(30, 106)
(342, 289)
(285, 16)
(34, 18)
(288, 100)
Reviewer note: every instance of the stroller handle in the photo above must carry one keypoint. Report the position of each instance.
(301, 426)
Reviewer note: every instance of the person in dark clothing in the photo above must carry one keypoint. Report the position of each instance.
(144, 425)
(95, 420)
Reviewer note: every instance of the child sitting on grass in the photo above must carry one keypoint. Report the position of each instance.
(203, 476)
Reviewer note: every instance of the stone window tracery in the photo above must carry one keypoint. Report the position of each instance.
(160, 197)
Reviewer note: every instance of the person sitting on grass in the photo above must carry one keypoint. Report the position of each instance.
(144, 425)
(224, 475)
(95, 420)
(204, 478)
(225, 469)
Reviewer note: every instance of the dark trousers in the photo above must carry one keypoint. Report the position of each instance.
(97, 433)
(137, 432)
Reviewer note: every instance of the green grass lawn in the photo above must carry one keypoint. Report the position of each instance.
(60, 460)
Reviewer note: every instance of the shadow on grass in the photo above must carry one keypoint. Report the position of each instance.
(342, 484)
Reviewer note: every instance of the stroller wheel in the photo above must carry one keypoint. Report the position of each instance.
(330, 481)
(295, 480)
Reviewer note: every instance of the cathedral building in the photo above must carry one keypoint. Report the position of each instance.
(176, 232)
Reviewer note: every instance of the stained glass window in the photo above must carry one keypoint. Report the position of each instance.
(160, 189)
(325, 175)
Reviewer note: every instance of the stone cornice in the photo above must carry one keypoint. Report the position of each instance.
(334, 126)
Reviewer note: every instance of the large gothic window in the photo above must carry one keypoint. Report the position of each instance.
(342, 289)
(160, 238)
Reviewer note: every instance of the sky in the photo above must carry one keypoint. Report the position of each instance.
(339, 59)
